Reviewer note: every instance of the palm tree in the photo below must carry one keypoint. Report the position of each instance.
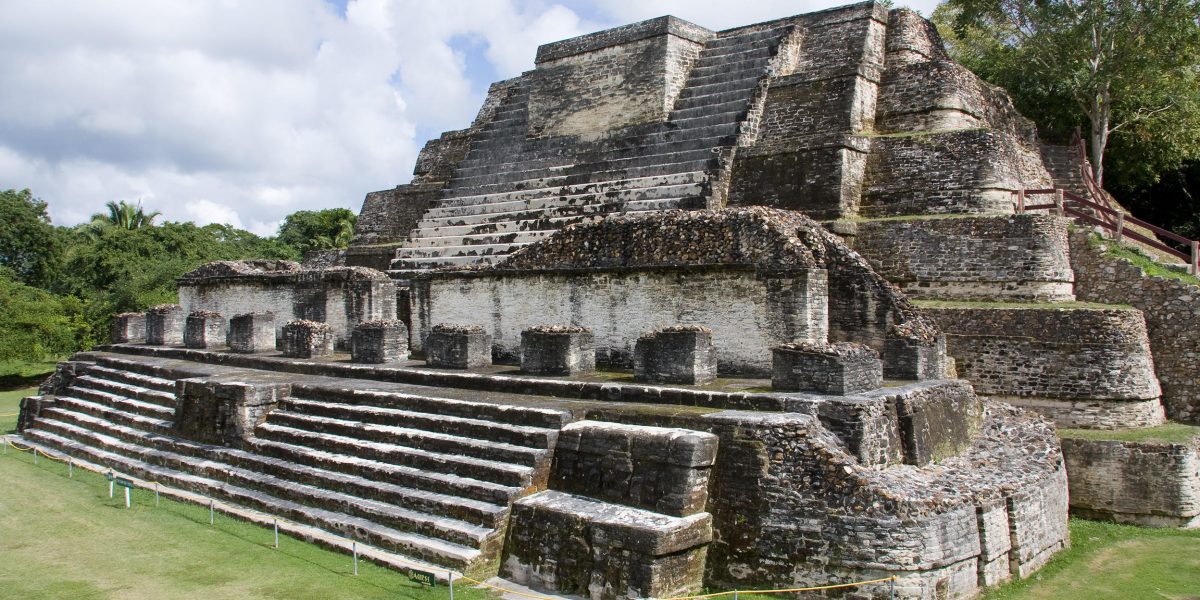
(341, 239)
(124, 216)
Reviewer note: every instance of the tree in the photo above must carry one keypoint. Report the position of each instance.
(29, 244)
(318, 230)
(37, 325)
(124, 216)
(1128, 67)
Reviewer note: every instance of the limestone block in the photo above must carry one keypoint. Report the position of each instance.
(224, 412)
(679, 354)
(842, 368)
(556, 350)
(251, 332)
(574, 545)
(379, 342)
(656, 468)
(307, 339)
(129, 328)
(31, 408)
(913, 357)
(204, 329)
(458, 347)
(164, 325)
(1147, 483)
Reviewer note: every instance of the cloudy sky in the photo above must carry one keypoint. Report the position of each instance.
(242, 111)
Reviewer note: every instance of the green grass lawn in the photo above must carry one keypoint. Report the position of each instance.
(1167, 432)
(64, 538)
(10, 401)
(1116, 562)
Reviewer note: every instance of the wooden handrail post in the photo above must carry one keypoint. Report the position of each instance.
(1195, 258)
(1120, 225)
(1058, 202)
(1021, 201)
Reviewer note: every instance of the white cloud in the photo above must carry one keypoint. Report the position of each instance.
(245, 111)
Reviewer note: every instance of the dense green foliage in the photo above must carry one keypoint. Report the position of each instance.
(29, 245)
(1125, 71)
(1126, 74)
(308, 230)
(60, 287)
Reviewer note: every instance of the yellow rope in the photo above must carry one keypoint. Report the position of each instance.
(460, 577)
(10, 414)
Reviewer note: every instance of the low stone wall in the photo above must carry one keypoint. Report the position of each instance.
(790, 508)
(342, 297)
(1085, 367)
(1014, 257)
(1172, 311)
(749, 312)
(1152, 484)
(965, 171)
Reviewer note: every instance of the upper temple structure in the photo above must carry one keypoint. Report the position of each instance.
(766, 307)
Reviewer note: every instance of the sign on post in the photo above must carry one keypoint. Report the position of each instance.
(125, 483)
(422, 577)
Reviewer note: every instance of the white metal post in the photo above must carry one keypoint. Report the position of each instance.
(276, 534)
(126, 496)
(212, 511)
(155, 493)
(35, 458)
(450, 584)
(70, 468)
(354, 549)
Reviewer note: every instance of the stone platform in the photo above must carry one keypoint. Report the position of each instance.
(424, 462)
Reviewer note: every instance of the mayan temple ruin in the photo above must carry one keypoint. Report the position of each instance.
(773, 306)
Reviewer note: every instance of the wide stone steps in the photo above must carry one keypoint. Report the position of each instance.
(498, 204)
(68, 405)
(421, 479)
(400, 264)
(435, 550)
(517, 444)
(120, 402)
(108, 385)
(748, 37)
(502, 473)
(519, 238)
(532, 416)
(120, 372)
(162, 452)
(598, 204)
(500, 228)
(723, 64)
(656, 181)
(694, 108)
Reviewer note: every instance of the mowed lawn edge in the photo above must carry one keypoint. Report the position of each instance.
(63, 537)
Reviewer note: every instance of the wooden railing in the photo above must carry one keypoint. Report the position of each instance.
(1065, 203)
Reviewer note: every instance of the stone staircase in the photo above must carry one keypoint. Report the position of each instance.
(511, 191)
(432, 479)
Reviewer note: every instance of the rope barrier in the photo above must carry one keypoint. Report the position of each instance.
(451, 575)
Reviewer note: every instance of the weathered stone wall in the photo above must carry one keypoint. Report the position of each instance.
(911, 38)
(748, 311)
(341, 297)
(1155, 484)
(806, 154)
(967, 171)
(942, 95)
(790, 508)
(1018, 257)
(615, 78)
(1084, 367)
(1172, 311)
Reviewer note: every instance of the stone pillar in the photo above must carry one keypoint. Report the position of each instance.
(911, 357)
(164, 325)
(129, 328)
(307, 339)
(204, 329)
(557, 350)
(251, 332)
(379, 342)
(679, 354)
(842, 368)
(458, 347)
